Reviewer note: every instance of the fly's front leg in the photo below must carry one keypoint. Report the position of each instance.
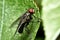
(36, 19)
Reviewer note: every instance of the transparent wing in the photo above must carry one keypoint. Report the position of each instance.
(15, 22)
(14, 26)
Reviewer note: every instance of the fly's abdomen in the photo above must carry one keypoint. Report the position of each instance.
(20, 30)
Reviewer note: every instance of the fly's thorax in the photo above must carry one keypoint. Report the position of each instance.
(27, 14)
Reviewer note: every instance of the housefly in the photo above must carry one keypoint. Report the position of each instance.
(24, 20)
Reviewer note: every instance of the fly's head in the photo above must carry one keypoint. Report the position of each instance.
(31, 11)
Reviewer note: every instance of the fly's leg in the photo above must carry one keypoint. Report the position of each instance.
(38, 19)
(26, 28)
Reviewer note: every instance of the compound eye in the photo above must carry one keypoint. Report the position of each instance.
(31, 10)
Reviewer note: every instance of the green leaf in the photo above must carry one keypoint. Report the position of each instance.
(12, 9)
(51, 18)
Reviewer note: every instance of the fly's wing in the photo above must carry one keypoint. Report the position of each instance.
(22, 22)
(16, 21)
(19, 22)
(20, 26)
(12, 27)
